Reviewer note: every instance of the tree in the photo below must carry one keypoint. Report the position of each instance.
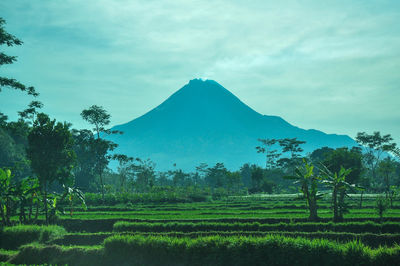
(233, 182)
(10, 40)
(344, 158)
(376, 145)
(257, 176)
(125, 171)
(245, 172)
(381, 206)
(145, 175)
(387, 168)
(86, 150)
(308, 181)
(291, 146)
(270, 154)
(30, 112)
(216, 176)
(320, 155)
(50, 151)
(98, 116)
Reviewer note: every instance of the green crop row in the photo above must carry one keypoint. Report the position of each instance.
(15, 236)
(353, 227)
(106, 224)
(369, 239)
(270, 250)
(215, 250)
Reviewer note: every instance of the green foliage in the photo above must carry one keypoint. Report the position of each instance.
(308, 181)
(381, 206)
(10, 40)
(58, 255)
(51, 154)
(15, 236)
(338, 184)
(201, 226)
(376, 145)
(216, 250)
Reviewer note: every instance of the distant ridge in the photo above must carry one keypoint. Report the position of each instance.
(204, 122)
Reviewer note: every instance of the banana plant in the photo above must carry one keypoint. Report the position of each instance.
(337, 182)
(308, 181)
(7, 190)
(27, 190)
(72, 192)
(55, 201)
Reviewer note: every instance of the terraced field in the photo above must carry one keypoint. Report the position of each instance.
(237, 231)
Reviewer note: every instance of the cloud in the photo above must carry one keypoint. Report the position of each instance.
(328, 65)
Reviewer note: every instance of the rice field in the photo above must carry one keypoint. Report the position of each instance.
(260, 230)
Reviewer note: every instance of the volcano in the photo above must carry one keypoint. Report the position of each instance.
(205, 123)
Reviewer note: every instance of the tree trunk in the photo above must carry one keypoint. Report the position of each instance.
(22, 216)
(37, 209)
(335, 205)
(8, 211)
(30, 210)
(102, 187)
(312, 205)
(313, 211)
(45, 202)
(341, 205)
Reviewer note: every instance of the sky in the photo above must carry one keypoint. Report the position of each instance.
(327, 65)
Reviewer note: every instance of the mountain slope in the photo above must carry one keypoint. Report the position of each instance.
(204, 122)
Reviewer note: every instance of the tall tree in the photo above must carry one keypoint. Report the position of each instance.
(50, 151)
(86, 149)
(10, 40)
(343, 158)
(271, 154)
(216, 176)
(293, 147)
(98, 116)
(375, 145)
(387, 168)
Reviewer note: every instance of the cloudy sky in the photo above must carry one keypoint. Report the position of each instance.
(328, 65)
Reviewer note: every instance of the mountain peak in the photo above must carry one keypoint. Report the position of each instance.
(205, 87)
(204, 122)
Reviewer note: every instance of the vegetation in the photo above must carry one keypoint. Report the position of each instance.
(298, 209)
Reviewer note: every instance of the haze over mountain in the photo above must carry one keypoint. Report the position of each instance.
(204, 122)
